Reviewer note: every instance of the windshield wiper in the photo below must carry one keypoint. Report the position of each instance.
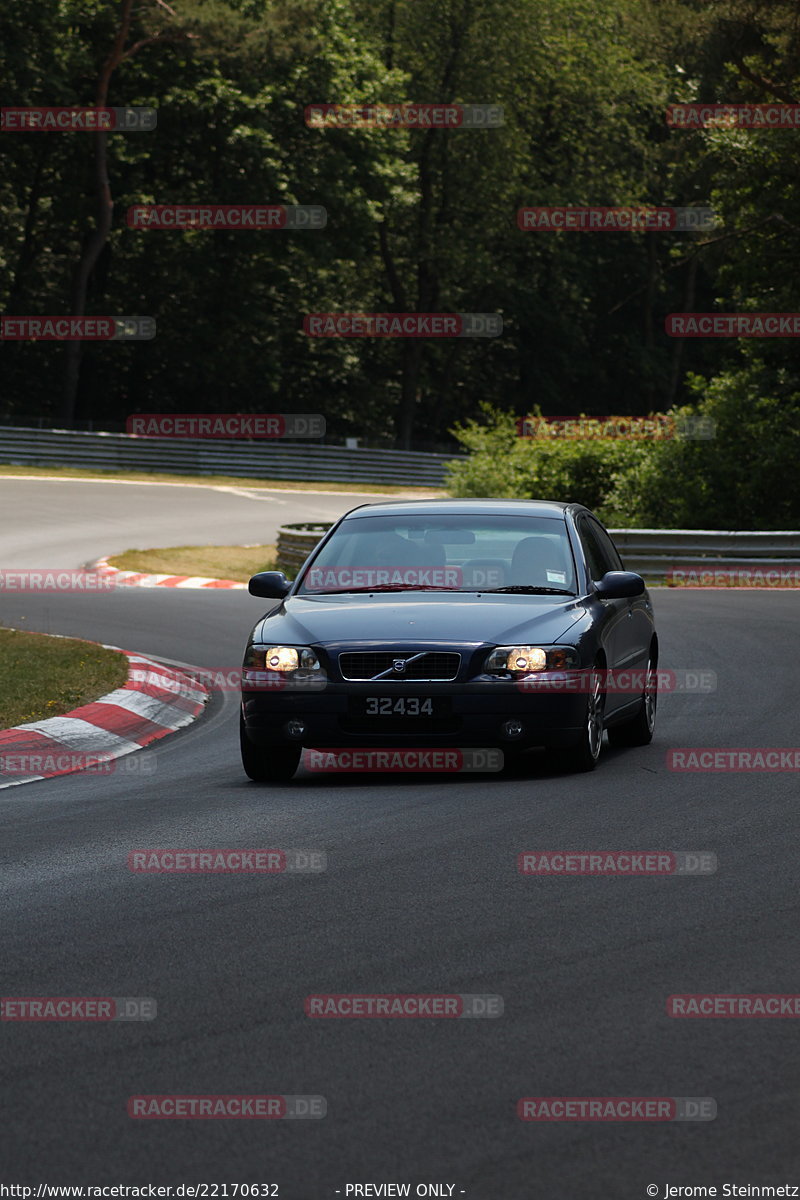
(531, 591)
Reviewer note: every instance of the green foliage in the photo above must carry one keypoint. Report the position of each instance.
(501, 465)
(744, 478)
(423, 220)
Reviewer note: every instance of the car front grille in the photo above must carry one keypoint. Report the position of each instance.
(418, 665)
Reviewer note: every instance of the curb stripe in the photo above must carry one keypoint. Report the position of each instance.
(162, 711)
(155, 701)
(81, 736)
(139, 579)
(122, 723)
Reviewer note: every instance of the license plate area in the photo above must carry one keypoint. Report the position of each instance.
(400, 708)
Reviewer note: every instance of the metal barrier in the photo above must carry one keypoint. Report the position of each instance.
(201, 456)
(295, 543)
(651, 552)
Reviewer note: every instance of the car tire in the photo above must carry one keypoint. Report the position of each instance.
(268, 764)
(638, 731)
(583, 755)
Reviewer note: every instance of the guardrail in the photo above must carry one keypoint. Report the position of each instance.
(654, 551)
(200, 456)
(295, 543)
(651, 552)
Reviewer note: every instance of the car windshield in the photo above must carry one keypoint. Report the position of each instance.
(463, 553)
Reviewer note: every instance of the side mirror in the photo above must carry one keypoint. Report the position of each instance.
(619, 585)
(272, 585)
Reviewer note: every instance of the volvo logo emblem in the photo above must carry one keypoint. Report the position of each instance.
(399, 665)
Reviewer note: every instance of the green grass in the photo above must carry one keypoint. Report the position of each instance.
(237, 563)
(284, 485)
(47, 676)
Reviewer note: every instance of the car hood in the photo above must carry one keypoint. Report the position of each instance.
(439, 618)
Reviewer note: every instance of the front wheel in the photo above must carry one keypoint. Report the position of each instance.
(638, 731)
(583, 755)
(268, 764)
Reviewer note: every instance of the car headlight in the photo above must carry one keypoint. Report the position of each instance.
(523, 660)
(281, 658)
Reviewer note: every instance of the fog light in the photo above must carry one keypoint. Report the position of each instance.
(295, 729)
(513, 729)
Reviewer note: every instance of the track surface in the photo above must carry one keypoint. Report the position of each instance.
(421, 895)
(62, 522)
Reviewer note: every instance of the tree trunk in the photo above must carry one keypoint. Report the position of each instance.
(27, 254)
(428, 286)
(649, 306)
(94, 243)
(677, 356)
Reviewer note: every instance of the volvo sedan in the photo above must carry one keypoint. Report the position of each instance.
(508, 624)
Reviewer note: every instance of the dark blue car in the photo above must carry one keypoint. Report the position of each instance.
(452, 623)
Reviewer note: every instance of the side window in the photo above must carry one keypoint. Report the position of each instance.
(609, 550)
(598, 549)
(591, 549)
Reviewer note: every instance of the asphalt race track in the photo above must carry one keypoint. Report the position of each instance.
(62, 522)
(421, 895)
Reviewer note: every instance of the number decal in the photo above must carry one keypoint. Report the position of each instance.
(402, 706)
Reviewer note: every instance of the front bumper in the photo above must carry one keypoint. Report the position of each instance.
(478, 713)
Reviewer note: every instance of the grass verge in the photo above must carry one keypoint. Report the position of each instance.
(283, 485)
(214, 562)
(47, 676)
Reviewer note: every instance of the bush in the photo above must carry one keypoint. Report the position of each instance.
(503, 465)
(745, 477)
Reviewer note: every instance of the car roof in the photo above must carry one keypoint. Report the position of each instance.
(554, 509)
